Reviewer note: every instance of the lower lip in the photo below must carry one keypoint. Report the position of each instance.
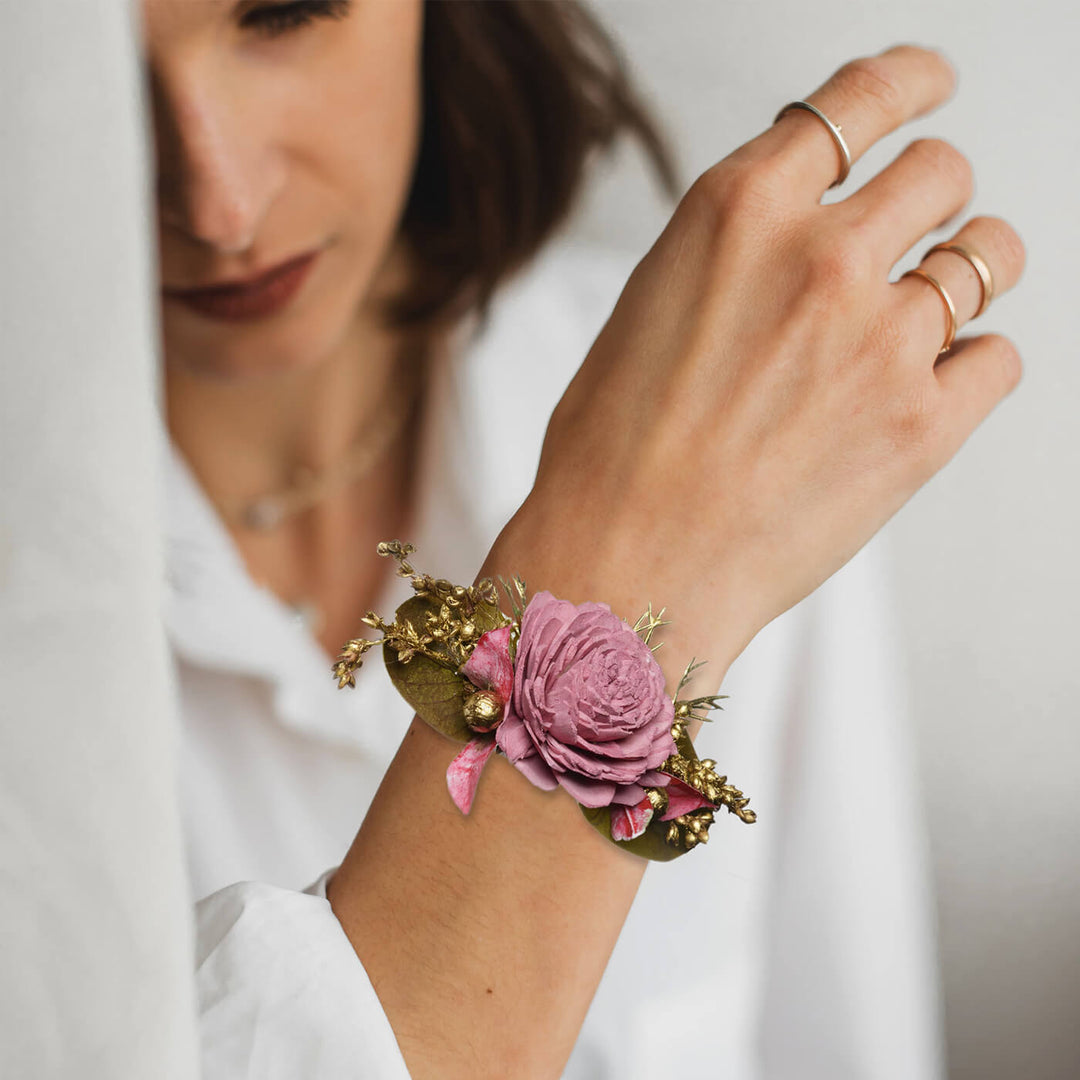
(255, 302)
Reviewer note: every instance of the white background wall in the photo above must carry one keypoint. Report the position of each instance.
(987, 574)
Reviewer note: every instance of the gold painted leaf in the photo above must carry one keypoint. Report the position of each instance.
(684, 745)
(489, 617)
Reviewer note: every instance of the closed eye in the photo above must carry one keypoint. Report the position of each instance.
(274, 19)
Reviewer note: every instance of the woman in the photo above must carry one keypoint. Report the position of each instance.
(266, 116)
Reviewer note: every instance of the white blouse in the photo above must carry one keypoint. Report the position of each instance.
(802, 945)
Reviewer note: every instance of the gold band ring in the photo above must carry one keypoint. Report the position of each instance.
(834, 131)
(950, 307)
(979, 263)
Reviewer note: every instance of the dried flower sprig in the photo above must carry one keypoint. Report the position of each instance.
(648, 622)
(449, 633)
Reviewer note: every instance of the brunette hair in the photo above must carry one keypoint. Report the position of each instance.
(516, 96)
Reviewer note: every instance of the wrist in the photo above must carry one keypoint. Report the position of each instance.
(710, 612)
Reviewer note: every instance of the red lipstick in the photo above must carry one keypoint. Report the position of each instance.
(255, 298)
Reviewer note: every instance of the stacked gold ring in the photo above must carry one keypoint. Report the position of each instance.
(950, 307)
(979, 264)
(986, 280)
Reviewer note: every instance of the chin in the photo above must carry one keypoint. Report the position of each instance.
(250, 354)
(242, 369)
(289, 342)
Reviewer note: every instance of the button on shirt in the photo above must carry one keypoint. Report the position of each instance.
(799, 946)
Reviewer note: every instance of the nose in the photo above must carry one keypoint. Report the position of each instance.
(215, 175)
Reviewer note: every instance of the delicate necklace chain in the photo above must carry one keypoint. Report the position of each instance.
(267, 511)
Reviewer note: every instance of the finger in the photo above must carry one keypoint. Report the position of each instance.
(921, 308)
(974, 377)
(928, 183)
(866, 98)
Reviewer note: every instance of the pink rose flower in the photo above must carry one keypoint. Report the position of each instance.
(589, 711)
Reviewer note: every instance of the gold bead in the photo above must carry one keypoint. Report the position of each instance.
(483, 710)
(658, 798)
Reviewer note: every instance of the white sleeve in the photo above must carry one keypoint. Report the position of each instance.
(281, 992)
(851, 987)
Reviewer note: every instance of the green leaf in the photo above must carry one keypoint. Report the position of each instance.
(435, 691)
(649, 845)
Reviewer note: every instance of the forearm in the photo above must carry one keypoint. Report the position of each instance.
(486, 936)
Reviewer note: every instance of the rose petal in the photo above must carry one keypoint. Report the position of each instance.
(629, 822)
(537, 772)
(655, 778)
(628, 794)
(514, 739)
(591, 793)
(489, 665)
(682, 798)
(596, 765)
(464, 772)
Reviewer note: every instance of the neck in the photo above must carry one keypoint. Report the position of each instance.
(246, 437)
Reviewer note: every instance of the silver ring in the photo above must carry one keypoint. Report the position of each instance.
(834, 131)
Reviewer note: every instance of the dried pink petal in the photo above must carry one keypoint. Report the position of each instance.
(682, 799)
(464, 772)
(489, 666)
(628, 822)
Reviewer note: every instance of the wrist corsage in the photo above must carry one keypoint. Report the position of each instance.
(570, 693)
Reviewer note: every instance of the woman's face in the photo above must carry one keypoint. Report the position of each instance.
(282, 129)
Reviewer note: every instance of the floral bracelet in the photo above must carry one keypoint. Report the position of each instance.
(570, 693)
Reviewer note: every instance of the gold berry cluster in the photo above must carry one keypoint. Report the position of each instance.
(448, 633)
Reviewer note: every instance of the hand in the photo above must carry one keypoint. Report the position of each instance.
(759, 403)
(762, 399)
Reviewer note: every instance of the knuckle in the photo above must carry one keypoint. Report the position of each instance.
(889, 338)
(839, 261)
(702, 206)
(913, 424)
(710, 185)
(732, 185)
(709, 193)
(943, 158)
(731, 199)
(872, 77)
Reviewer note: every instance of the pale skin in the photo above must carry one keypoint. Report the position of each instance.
(760, 403)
